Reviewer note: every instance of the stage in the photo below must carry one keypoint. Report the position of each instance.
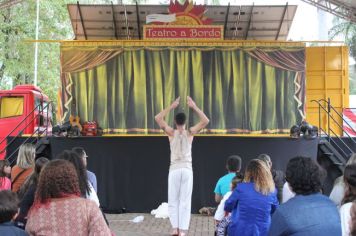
(132, 171)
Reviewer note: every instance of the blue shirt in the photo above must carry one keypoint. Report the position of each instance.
(8, 228)
(223, 184)
(251, 210)
(92, 180)
(306, 215)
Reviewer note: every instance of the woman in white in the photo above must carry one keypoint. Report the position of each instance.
(349, 197)
(338, 190)
(180, 178)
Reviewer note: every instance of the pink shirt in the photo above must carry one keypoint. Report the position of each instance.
(5, 183)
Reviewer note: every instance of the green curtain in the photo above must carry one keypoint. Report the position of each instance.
(237, 92)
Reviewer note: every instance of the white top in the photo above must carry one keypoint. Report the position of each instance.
(220, 213)
(345, 218)
(93, 195)
(287, 193)
(181, 151)
(338, 191)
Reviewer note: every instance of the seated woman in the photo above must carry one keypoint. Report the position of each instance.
(252, 202)
(58, 208)
(309, 212)
(349, 197)
(86, 189)
(24, 165)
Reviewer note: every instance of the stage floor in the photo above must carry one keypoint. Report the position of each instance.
(120, 225)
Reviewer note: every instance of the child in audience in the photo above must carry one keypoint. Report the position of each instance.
(8, 212)
(5, 169)
(222, 221)
(252, 202)
(233, 166)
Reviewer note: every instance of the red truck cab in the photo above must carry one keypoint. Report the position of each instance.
(24, 110)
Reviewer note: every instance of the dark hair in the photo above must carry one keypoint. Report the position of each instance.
(3, 163)
(79, 167)
(33, 178)
(304, 176)
(239, 177)
(8, 205)
(350, 183)
(265, 158)
(57, 179)
(233, 163)
(79, 150)
(180, 118)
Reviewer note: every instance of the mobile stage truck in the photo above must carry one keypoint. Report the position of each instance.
(124, 67)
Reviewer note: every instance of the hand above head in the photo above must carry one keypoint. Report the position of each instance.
(190, 102)
(175, 103)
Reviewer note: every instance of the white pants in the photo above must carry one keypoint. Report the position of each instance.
(180, 187)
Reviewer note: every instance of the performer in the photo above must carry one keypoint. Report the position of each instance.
(180, 178)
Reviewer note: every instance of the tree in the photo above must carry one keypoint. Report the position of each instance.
(18, 24)
(347, 30)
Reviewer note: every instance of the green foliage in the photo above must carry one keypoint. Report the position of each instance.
(352, 76)
(347, 31)
(17, 25)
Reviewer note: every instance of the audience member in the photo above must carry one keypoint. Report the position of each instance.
(91, 176)
(221, 220)
(309, 212)
(8, 212)
(277, 175)
(24, 165)
(233, 165)
(252, 201)
(58, 208)
(28, 190)
(287, 193)
(338, 191)
(352, 223)
(86, 189)
(5, 182)
(349, 197)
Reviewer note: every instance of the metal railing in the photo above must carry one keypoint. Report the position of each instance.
(325, 105)
(37, 131)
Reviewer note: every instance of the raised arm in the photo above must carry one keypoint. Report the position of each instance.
(204, 121)
(160, 117)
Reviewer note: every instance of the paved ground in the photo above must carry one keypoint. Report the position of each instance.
(121, 225)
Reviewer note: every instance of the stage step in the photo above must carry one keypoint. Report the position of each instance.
(335, 157)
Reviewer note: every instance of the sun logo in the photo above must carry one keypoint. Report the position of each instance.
(188, 13)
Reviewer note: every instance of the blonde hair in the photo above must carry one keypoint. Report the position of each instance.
(260, 174)
(26, 156)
